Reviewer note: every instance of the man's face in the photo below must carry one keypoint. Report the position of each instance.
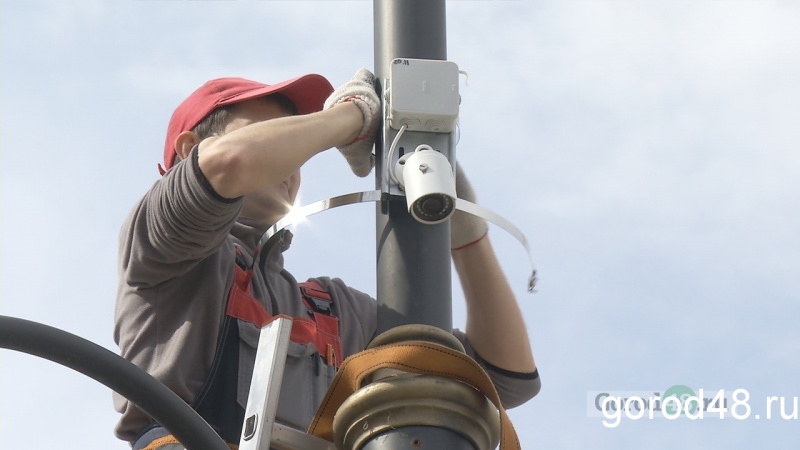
(271, 203)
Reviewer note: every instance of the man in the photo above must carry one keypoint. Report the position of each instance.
(194, 288)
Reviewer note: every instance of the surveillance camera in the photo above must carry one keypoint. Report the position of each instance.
(427, 178)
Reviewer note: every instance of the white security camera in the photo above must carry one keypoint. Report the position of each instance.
(427, 178)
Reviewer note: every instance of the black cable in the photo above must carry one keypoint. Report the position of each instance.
(122, 376)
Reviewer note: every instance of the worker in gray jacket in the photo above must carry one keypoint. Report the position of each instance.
(195, 287)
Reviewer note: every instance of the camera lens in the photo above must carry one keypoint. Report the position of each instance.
(432, 208)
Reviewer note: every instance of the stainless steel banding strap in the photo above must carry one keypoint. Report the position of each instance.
(301, 213)
(476, 210)
(298, 214)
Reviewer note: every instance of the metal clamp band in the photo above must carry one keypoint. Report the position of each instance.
(301, 213)
(479, 211)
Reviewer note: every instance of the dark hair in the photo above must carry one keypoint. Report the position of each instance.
(215, 122)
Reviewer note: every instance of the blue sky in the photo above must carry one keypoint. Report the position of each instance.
(648, 150)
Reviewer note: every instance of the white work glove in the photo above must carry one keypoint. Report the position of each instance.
(465, 229)
(361, 91)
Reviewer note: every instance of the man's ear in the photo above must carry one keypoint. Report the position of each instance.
(185, 142)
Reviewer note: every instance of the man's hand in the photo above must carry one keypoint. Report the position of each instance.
(465, 229)
(360, 90)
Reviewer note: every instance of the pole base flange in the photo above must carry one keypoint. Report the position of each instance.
(408, 400)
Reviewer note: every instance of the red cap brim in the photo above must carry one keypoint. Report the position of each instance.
(308, 93)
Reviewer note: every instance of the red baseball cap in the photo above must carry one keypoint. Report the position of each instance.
(307, 92)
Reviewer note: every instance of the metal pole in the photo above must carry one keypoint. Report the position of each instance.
(413, 259)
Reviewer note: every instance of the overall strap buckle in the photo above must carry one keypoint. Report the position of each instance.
(316, 298)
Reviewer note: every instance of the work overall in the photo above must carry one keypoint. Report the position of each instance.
(315, 352)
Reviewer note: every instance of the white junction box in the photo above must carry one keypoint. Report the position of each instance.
(423, 95)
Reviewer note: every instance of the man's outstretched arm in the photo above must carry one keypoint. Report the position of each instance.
(495, 327)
